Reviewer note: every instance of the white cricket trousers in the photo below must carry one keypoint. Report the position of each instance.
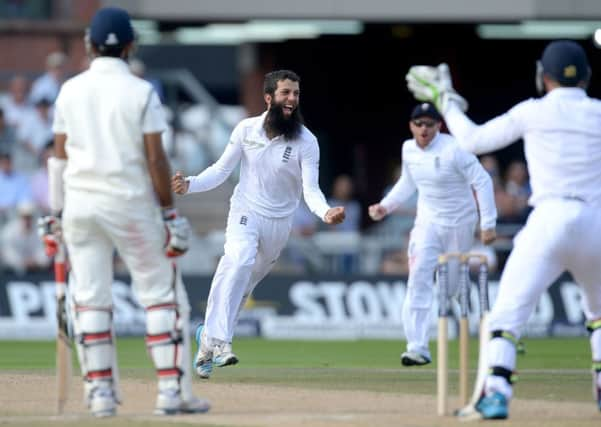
(426, 243)
(560, 235)
(94, 226)
(252, 246)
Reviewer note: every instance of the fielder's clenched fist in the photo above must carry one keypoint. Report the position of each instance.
(179, 184)
(377, 212)
(334, 215)
(488, 236)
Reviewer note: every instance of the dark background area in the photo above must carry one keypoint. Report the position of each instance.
(354, 96)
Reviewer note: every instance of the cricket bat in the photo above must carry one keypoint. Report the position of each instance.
(63, 341)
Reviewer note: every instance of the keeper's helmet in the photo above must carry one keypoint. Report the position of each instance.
(565, 62)
(110, 31)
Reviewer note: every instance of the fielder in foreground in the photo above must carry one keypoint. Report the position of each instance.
(445, 177)
(107, 173)
(562, 142)
(279, 160)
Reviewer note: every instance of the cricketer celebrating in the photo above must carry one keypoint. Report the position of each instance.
(279, 160)
(562, 143)
(107, 174)
(445, 177)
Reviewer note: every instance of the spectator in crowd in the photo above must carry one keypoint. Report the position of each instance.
(504, 202)
(138, 68)
(21, 247)
(16, 105)
(48, 84)
(33, 136)
(399, 223)
(395, 262)
(14, 187)
(517, 186)
(39, 180)
(342, 195)
(7, 135)
(304, 226)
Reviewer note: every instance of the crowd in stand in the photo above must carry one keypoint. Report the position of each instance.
(25, 144)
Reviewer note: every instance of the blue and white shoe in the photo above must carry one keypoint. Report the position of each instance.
(493, 407)
(223, 355)
(203, 361)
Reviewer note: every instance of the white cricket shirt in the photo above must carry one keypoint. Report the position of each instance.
(105, 111)
(443, 175)
(562, 142)
(273, 173)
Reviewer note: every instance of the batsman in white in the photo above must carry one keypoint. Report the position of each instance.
(445, 177)
(562, 143)
(279, 160)
(106, 176)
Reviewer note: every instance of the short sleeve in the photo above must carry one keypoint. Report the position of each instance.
(153, 116)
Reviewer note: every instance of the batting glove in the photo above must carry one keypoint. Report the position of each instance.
(433, 84)
(178, 232)
(50, 231)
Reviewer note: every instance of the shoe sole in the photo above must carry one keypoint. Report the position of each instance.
(407, 361)
(227, 362)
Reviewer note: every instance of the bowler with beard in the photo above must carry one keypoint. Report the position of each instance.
(279, 163)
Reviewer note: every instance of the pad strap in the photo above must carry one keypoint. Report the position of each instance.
(593, 325)
(504, 334)
(499, 371)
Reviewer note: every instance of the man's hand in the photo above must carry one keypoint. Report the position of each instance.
(377, 212)
(433, 84)
(178, 233)
(179, 184)
(51, 232)
(488, 236)
(334, 215)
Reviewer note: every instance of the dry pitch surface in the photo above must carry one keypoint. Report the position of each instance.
(28, 400)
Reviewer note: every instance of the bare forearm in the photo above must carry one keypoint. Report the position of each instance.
(160, 174)
(159, 169)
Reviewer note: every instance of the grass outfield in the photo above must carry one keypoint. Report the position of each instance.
(554, 369)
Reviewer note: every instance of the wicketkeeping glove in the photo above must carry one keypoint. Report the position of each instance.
(433, 84)
(50, 231)
(178, 233)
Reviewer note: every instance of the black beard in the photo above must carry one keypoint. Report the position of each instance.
(279, 124)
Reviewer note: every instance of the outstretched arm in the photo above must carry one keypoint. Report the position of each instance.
(478, 139)
(434, 84)
(313, 195)
(214, 175)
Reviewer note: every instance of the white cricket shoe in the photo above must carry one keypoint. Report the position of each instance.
(223, 355)
(169, 402)
(411, 358)
(102, 402)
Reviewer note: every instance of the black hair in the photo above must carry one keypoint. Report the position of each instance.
(270, 84)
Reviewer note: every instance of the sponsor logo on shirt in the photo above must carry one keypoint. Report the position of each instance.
(252, 144)
(243, 220)
(287, 153)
